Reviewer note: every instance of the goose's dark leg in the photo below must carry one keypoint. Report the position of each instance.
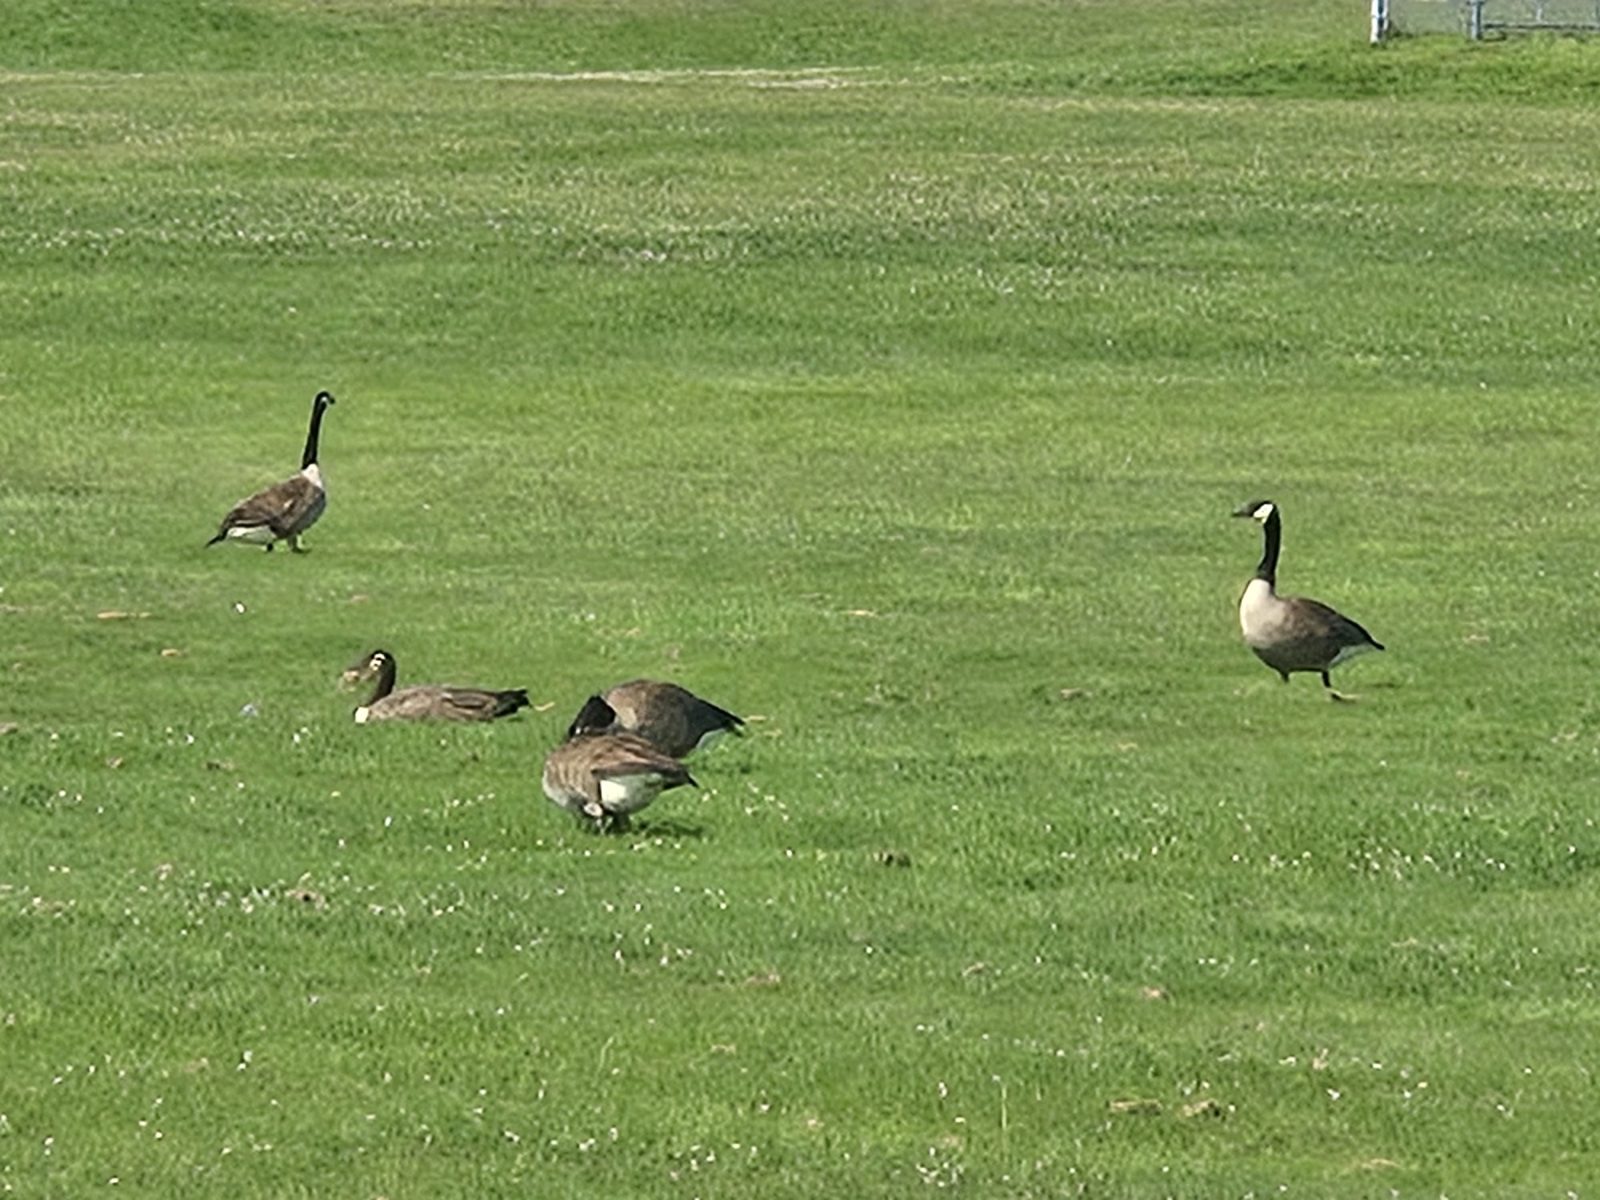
(1333, 695)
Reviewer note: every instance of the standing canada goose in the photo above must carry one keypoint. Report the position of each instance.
(673, 719)
(1292, 633)
(424, 701)
(604, 774)
(285, 510)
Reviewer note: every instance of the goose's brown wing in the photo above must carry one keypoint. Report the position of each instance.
(285, 508)
(479, 704)
(429, 701)
(626, 773)
(707, 717)
(671, 717)
(415, 703)
(1338, 630)
(622, 755)
(1310, 636)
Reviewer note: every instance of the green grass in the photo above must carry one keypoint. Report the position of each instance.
(884, 372)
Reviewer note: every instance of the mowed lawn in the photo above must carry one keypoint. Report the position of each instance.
(887, 374)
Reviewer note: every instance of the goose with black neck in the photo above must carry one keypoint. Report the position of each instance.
(284, 511)
(1293, 633)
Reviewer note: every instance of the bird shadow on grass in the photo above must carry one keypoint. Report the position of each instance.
(668, 827)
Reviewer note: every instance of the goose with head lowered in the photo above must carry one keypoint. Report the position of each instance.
(671, 718)
(424, 701)
(282, 512)
(1293, 633)
(604, 774)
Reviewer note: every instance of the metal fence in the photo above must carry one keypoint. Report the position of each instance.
(1480, 18)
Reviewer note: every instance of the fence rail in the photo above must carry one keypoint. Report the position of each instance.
(1479, 17)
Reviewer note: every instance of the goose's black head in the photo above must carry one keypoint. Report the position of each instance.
(368, 666)
(1257, 510)
(324, 399)
(596, 716)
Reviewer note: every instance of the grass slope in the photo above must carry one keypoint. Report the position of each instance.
(885, 373)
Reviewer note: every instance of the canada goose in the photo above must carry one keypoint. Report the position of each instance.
(424, 701)
(673, 719)
(604, 774)
(1292, 633)
(285, 510)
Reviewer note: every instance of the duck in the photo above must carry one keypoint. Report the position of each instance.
(284, 511)
(672, 718)
(424, 701)
(1293, 633)
(604, 774)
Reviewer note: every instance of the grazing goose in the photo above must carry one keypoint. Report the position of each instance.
(604, 774)
(673, 719)
(1292, 633)
(424, 701)
(285, 510)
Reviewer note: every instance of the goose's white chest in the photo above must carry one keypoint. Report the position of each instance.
(629, 793)
(1261, 613)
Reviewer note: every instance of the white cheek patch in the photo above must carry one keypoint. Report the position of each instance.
(1262, 513)
(362, 714)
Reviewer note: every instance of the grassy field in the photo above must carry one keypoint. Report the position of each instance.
(883, 372)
